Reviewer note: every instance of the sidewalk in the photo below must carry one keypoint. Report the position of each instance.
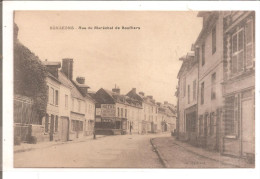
(24, 147)
(165, 148)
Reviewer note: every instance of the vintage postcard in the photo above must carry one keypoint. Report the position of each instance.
(146, 89)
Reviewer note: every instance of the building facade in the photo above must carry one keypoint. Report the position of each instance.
(187, 98)
(209, 51)
(239, 83)
(225, 67)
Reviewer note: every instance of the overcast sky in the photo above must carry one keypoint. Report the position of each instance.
(145, 59)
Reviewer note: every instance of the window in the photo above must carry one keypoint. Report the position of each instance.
(194, 90)
(48, 94)
(122, 112)
(249, 43)
(213, 86)
(79, 105)
(76, 125)
(66, 101)
(203, 54)
(86, 108)
(125, 113)
(188, 94)
(231, 115)
(46, 123)
(214, 37)
(238, 51)
(202, 93)
(197, 54)
(52, 96)
(118, 111)
(56, 97)
(201, 125)
(184, 86)
(212, 124)
(56, 124)
(72, 105)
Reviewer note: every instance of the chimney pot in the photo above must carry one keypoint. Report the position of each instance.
(80, 80)
(116, 90)
(141, 93)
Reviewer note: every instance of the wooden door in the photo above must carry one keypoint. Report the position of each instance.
(248, 127)
(52, 128)
(64, 129)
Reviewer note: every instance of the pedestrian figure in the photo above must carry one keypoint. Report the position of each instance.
(130, 129)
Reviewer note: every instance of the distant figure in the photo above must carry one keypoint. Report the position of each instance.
(131, 128)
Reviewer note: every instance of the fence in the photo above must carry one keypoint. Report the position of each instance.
(24, 116)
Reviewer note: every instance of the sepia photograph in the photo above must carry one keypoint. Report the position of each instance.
(133, 89)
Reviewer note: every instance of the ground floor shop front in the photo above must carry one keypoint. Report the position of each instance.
(110, 126)
(239, 139)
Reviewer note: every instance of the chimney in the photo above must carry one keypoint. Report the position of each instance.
(141, 93)
(67, 67)
(52, 67)
(158, 104)
(165, 102)
(116, 90)
(134, 90)
(80, 80)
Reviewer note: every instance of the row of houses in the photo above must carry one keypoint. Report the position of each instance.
(216, 85)
(74, 112)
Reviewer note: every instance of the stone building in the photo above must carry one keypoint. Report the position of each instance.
(187, 98)
(114, 116)
(239, 83)
(225, 64)
(209, 51)
(149, 113)
(51, 119)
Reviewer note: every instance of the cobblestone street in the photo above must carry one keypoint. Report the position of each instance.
(125, 151)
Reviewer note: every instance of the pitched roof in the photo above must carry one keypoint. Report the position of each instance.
(105, 96)
(67, 82)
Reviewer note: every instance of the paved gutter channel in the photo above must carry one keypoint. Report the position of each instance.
(159, 154)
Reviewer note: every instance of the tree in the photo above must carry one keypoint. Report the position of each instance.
(29, 76)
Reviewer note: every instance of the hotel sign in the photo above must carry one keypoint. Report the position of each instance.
(108, 110)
